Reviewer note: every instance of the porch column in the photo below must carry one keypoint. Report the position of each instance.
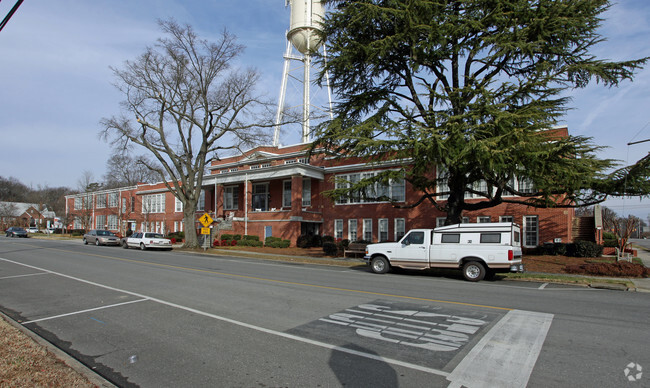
(296, 195)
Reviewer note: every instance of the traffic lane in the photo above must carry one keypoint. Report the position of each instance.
(102, 264)
(129, 342)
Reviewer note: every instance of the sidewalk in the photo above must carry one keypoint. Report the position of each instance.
(642, 284)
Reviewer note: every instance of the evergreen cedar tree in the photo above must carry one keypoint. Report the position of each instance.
(465, 91)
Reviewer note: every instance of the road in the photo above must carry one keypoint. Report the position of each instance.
(162, 319)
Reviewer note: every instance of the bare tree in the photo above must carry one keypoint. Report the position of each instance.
(622, 227)
(186, 104)
(122, 169)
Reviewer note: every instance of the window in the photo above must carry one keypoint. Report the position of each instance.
(483, 219)
(76, 224)
(415, 238)
(230, 198)
(451, 238)
(132, 204)
(286, 193)
(338, 229)
(153, 203)
(506, 219)
(306, 192)
(100, 222)
(531, 231)
(111, 222)
(123, 205)
(440, 221)
(113, 199)
(260, 196)
(200, 206)
(400, 228)
(490, 238)
(394, 190)
(178, 205)
(77, 203)
(101, 201)
(526, 186)
(367, 229)
(383, 229)
(88, 202)
(352, 230)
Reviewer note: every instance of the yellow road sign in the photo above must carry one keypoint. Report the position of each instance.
(205, 230)
(206, 220)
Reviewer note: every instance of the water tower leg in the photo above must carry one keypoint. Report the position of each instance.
(283, 93)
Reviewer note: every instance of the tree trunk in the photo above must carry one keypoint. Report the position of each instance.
(191, 239)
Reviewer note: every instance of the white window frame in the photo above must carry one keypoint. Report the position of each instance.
(306, 192)
(178, 205)
(400, 228)
(200, 205)
(353, 229)
(382, 229)
(531, 225)
(338, 229)
(395, 190)
(483, 219)
(230, 197)
(100, 201)
(286, 193)
(367, 229)
(112, 222)
(263, 194)
(100, 221)
(506, 219)
(113, 200)
(153, 203)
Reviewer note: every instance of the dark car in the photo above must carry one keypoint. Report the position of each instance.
(101, 237)
(16, 231)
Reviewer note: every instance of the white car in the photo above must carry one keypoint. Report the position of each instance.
(147, 240)
(33, 230)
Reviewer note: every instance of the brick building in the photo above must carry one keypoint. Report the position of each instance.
(276, 191)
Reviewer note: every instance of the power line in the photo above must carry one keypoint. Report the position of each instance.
(10, 14)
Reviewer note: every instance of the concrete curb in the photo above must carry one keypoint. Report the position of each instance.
(82, 369)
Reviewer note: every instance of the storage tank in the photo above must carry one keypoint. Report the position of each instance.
(306, 16)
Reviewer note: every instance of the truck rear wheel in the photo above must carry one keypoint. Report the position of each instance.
(379, 264)
(473, 271)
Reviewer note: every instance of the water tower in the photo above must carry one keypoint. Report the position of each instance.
(302, 35)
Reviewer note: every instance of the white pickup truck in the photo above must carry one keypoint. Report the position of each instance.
(479, 250)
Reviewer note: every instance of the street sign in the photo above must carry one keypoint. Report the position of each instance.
(206, 220)
(205, 230)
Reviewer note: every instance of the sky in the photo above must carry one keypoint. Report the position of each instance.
(56, 83)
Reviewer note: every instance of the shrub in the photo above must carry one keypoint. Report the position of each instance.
(621, 268)
(250, 243)
(587, 249)
(327, 239)
(609, 236)
(309, 241)
(276, 242)
(611, 243)
(236, 237)
(77, 232)
(249, 237)
(330, 248)
(553, 249)
(226, 237)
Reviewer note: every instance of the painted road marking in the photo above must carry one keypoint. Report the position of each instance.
(506, 355)
(514, 342)
(84, 311)
(22, 276)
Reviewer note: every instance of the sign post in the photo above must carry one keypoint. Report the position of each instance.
(205, 220)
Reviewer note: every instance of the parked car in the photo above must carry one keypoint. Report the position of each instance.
(101, 237)
(147, 240)
(16, 231)
(32, 230)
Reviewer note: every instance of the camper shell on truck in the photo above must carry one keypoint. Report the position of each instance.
(479, 250)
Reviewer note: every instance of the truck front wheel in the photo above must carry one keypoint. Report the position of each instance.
(473, 271)
(379, 264)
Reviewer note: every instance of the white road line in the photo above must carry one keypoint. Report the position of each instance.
(83, 311)
(543, 286)
(22, 276)
(250, 326)
(506, 355)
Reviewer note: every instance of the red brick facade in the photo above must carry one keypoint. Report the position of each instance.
(261, 193)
